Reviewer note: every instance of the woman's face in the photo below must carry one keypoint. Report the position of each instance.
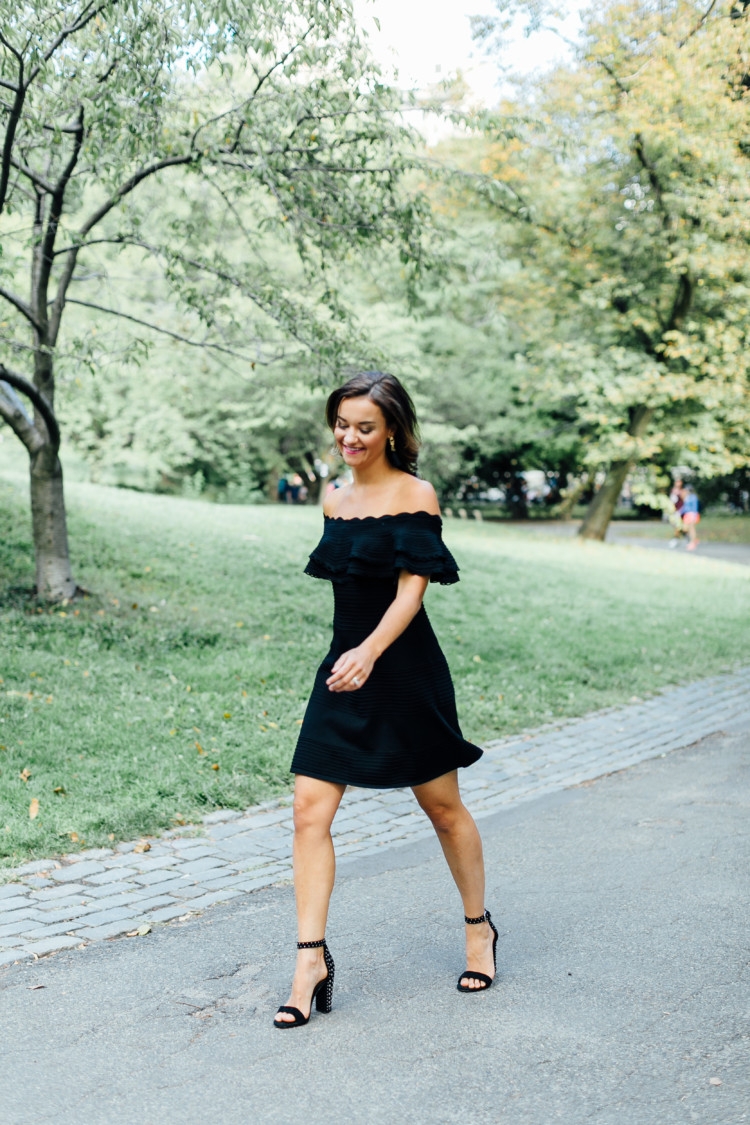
(361, 431)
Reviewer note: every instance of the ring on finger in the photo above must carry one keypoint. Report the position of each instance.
(355, 681)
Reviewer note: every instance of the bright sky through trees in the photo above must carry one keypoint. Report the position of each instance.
(426, 42)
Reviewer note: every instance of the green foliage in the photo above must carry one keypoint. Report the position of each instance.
(277, 114)
(619, 190)
(198, 612)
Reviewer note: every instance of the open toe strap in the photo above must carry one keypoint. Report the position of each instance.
(484, 980)
(298, 1017)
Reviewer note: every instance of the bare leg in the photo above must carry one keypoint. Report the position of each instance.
(462, 848)
(315, 805)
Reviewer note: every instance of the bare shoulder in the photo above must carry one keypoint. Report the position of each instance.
(420, 496)
(334, 499)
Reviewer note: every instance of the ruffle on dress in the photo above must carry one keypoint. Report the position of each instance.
(381, 546)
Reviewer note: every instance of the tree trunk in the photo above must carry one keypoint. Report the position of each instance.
(54, 580)
(601, 508)
(565, 508)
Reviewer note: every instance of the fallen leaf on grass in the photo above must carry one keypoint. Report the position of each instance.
(60, 790)
(144, 846)
(34, 809)
(73, 836)
(199, 748)
(215, 766)
(140, 932)
(25, 774)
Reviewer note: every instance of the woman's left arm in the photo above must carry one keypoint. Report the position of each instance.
(357, 663)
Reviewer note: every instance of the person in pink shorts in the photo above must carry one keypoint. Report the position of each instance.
(691, 516)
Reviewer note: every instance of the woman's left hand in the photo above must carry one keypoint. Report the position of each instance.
(352, 670)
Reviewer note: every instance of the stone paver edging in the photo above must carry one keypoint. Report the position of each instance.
(103, 893)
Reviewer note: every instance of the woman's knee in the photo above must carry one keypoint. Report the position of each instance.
(308, 814)
(445, 817)
(313, 811)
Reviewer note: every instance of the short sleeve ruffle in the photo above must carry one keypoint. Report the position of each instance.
(381, 546)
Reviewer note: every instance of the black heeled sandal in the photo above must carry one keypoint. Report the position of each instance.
(322, 993)
(485, 981)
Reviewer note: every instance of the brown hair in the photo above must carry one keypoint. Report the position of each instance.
(398, 410)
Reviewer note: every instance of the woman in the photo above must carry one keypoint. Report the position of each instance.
(382, 712)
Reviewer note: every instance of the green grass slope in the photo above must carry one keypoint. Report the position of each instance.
(179, 684)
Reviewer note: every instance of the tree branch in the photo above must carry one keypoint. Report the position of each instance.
(35, 178)
(683, 298)
(653, 178)
(622, 88)
(163, 331)
(24, 422)
(699, 24)
(129, 185)
(48, 243)
(22, 307)
(89, 13)
(262, 78)
(77, 246)
(14, 117)
(12, 412)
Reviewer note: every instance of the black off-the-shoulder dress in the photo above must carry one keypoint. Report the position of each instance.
(400, 728)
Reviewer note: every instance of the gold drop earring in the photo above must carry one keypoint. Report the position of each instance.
(392, 443)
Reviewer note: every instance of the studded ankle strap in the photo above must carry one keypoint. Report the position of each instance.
(311, 944)
(476, 921)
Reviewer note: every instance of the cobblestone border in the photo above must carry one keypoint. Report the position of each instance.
(105, 893)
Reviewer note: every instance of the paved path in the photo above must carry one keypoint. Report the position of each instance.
(104, 893)
(738, 553)
(622, 997)
(624, 533)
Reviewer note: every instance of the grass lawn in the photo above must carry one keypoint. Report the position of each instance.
(178, 685)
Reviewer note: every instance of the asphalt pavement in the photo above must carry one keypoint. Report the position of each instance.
(622, 993)
(640, 534)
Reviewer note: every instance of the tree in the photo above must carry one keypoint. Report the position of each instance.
(622, 186)
(208, 116)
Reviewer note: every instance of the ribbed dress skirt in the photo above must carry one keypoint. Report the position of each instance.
(401, 727)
